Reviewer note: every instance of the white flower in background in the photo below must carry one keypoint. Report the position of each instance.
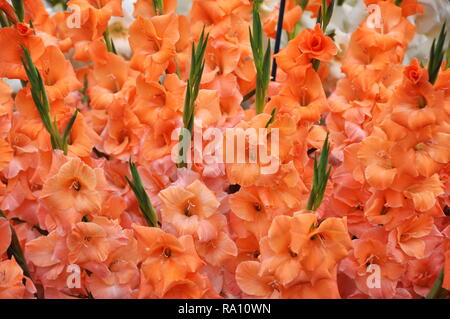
(13, 83)
(267, 6)
(348, 16)
(418, 48)
(435, 14)
(183, 6)
(341, 39)
(428, 25)
(118, 29)
(344, 21)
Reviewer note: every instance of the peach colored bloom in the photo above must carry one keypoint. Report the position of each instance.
(74, 185)
(189, 209)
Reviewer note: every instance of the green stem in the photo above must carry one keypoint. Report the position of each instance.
(260, 99)
(437, 289)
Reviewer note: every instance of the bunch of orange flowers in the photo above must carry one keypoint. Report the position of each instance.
(93, 205)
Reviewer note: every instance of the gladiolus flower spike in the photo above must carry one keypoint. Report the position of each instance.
(437, 55)
(192, 89)
(321, 173)
(261, 60)
(42, 104)
(144, 202)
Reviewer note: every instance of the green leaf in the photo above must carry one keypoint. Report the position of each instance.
(324, 15)
(320, 178)
(143, 200)
(262, 61)
(193, 87)
(41, 102)
(67, 131)
(15, 250)
(19, 9)
(437, 55)
(248, 96)
(272, 117)
(448, 57)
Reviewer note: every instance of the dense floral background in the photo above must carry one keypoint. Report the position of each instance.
(92, 204)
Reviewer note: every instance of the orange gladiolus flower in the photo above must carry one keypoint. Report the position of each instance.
(372, 249)
(74, 185)
(5, 235)
(297, 243)
(6, 153)
(251, 282)
(11, 280)
(88, 242)
(111, 80)
(409, 235)
(315, 44)
(375, 153)
(10, 40)
(424, 192)
(227, 228)
(57, 73)
(309, 44)
(153, 43)
(145, 9)
(217, 250)
(415, 103)
(292, 14)
(167, 259)
(189, 209)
